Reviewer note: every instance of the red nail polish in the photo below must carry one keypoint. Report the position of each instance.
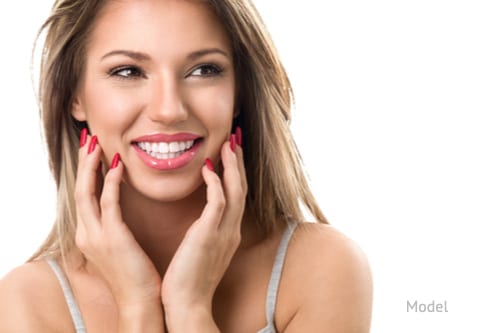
(83, 137)
(239, 136)
(92, 144)
(232, 141)
(116, 160)
(209, 164)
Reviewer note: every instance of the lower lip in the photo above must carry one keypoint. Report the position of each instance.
(169, 163)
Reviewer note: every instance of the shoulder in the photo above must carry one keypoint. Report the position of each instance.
(322, 244)
(331, 279)
(27, 302)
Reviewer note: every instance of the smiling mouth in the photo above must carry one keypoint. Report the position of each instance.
(166, 150)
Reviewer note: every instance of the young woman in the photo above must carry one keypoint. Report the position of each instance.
(179, 183)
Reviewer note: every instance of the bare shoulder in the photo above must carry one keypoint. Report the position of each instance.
(29, 299)
(323, 245)
(331, 279)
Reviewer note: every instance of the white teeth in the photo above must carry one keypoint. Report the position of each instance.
(173, 147)
(165, 150)
(163, 146)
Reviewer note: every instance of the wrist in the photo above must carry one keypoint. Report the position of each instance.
(196, 318)
(144, 317)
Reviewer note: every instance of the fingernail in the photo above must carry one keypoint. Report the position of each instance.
(239, 136)
(83, 137)
(92, 144)
(233, 142)
(209, 164)
(115, 161)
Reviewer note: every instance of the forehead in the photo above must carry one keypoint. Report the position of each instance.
(162, 27)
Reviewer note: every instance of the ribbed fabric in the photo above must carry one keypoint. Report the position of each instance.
(272, 290)
(274, 282)
(68, 295)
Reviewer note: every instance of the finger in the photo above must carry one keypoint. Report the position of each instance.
(216, 201)
(241, 161)
(110, 197)
(85, 186)
(233, 188)
(241, 168)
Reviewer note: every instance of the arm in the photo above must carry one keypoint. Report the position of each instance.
(27, 302)
(16, 314)
(207, 248)
(194, 320)
(146, 317)
(110, 247)
(337, 293)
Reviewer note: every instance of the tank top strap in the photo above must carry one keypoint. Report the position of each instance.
(68, 295)
(274, 281)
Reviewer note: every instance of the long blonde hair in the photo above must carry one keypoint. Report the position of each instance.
(277, 185)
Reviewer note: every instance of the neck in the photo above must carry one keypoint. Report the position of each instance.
(159, 227)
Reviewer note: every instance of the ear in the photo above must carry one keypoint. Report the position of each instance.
(77, 110)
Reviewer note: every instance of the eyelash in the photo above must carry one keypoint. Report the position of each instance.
(137, 72)
(216, 70)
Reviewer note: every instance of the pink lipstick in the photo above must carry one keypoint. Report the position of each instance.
(167, 151)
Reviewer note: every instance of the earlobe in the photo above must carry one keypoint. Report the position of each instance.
(77, 110)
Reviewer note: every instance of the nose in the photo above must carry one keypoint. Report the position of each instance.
(166, 102)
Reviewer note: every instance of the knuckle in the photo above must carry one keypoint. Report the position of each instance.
(106, 202)
(217, 182)
(240, 194)
(220, 202)
(234, 239)
(108, 181)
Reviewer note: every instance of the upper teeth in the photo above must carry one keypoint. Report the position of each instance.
(165, 147)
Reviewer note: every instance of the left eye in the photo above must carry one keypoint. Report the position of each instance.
(126, 72)
(207, 70)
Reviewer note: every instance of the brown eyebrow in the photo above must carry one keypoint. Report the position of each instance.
(131, 54)
(143, 57)
(201, 53)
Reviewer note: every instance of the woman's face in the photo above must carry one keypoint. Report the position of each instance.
(159, 89)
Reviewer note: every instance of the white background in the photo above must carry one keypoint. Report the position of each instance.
(397, 118)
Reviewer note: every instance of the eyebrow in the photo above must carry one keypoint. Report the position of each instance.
(139, 56)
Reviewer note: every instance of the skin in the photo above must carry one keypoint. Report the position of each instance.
(174, 248)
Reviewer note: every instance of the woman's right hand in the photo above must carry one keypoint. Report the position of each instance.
(106, 241)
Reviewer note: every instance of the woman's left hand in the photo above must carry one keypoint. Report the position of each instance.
(208, 246)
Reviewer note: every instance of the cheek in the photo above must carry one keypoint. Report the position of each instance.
(214, 105)
(110, 112)
(110, 109)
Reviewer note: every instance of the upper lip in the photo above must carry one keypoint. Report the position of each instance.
(162, 137)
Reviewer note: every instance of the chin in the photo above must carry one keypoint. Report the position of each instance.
(168, 189)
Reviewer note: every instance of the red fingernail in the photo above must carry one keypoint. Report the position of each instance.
(239, 136)
(115, 161)
(92, 144)
(209, 164)
(233, 142)
(83, 137)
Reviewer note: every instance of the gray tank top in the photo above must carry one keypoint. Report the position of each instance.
(272, 290)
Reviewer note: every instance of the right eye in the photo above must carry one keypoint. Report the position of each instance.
(126, 72)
